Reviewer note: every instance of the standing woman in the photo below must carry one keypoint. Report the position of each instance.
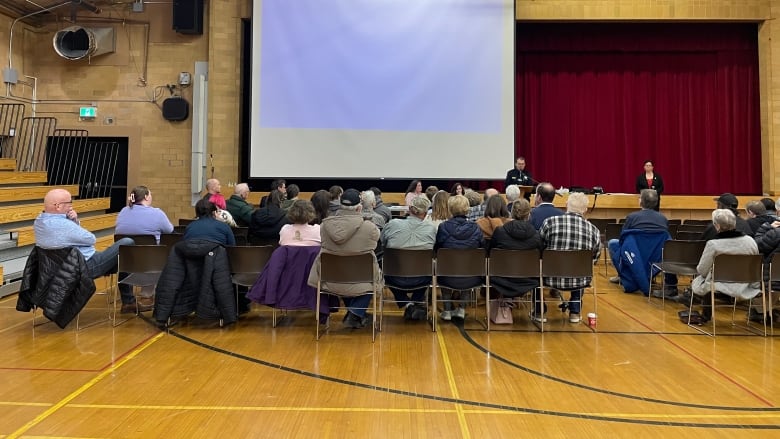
(414, 190)
(140, 218)
(650, 180)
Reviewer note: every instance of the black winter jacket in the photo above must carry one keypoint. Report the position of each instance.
(57, 281)
(196, 278)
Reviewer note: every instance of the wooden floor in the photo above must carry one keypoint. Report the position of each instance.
(644, 374)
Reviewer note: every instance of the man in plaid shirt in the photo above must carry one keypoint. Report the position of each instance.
(570, 231)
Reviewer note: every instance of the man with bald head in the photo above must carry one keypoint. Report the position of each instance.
(213, 193)
(58, 227)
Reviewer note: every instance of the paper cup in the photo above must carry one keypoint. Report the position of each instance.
(592, 319)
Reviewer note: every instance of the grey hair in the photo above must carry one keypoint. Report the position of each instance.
(724, 219)
(512, 192)
(368, 199)
(577, 203)
(241, 188)
(648, 198)
(352, 208)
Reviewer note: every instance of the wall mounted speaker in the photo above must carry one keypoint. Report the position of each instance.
(175, 109)
(188, 16)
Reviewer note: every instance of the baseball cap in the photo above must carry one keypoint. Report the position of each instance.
(421, 203)
(350, 197)
(729, 200)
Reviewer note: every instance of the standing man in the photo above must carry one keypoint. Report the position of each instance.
(58, 227)
(239, 207)
(519, 175)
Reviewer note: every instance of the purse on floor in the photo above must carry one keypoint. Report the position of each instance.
(501, 314)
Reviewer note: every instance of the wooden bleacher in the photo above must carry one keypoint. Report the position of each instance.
(18, 177)
(31, 193)
(7, 165)
(28, 212)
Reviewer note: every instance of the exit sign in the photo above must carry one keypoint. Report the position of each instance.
(88, 112)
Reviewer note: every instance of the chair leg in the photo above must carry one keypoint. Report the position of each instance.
(317, 312)
(487, 307)
(435, 308)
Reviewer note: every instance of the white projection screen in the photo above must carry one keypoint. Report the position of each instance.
(382, 89)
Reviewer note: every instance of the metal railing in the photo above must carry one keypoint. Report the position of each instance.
(72, 158)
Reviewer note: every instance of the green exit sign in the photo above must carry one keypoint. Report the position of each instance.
(88, 112)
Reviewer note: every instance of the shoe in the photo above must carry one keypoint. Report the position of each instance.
(130, 308)
(459, 313)
(614, 279)
(574, 318)
(354, 321)
(446, 315)
(535, 318)
(408, 311)
(419, 313)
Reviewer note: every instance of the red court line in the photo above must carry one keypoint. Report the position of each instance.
(692, 355)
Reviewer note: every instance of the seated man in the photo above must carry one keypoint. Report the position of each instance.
(213, 194)
(570, 231)
(757, 215)
(727, 241)
(347, 233)
(411, 232)
(543, 202)
(58, 227)
(239, 207)
(642, 236)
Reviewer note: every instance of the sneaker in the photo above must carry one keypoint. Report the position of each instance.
(419, 313)
(354, 321)
(615, 279)
(459, 313)
(446, 315)
(536, 318)
(574, 318)
(408, 310)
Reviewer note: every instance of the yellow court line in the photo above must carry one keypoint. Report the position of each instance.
(259, 408)
(38, 419)
(639, 416)
(453, 386)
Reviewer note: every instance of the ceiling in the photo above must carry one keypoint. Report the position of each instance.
(40, 12)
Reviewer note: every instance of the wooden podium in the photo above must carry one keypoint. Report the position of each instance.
(525, 190)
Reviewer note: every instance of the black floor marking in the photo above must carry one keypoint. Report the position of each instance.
(464, 401)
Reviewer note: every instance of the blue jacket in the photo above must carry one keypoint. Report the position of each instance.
(638, 249)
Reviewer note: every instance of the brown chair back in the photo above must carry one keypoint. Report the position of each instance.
(514, 263)
(461, 262)
(347, 268)
(737, 268)
(139, 239)
(407, 263)
(567, 263)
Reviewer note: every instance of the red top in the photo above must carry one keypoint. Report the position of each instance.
(650, 183)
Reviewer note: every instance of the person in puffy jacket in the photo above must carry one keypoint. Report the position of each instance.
(457, 232)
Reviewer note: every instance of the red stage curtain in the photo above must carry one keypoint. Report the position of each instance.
(594, 101)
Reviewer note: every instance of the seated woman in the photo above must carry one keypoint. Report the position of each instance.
(321, 202)
(496, 216)
(267, 221)
(440, 212)
(207, 227)
(457, 232)
(140, 218)
(518, 234)
(300, 232)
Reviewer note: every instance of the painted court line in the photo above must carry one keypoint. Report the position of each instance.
(453, 385)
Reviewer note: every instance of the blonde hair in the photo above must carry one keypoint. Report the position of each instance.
(459, 205)
(441, 210)
(577, 203)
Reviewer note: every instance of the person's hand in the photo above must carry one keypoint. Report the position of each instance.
(776, 224)
(72, 215)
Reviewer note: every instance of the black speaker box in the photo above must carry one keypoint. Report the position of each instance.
(188, 16)
(175, 109)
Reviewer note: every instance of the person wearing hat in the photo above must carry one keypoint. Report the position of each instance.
(347, 233)
(413, 233)
(727, 201)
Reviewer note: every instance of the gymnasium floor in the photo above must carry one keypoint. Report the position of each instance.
(643, 374)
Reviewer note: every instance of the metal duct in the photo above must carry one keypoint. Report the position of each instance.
(78, 42)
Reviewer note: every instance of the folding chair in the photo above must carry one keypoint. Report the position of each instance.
(697, 228)
(143, 264)
(407, 263)
(568, 263)
(246, 263)
(242, 235)
(697, 222)
(512, 264)
(774, 279)
(679, 258)
(170, 239)
(673, 222)
(460, 262)
(687, 235)
(737, 269)
(138, 239)
(346, 269)
(186, 221)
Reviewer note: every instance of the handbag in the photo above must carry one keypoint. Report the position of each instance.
(501, 314)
